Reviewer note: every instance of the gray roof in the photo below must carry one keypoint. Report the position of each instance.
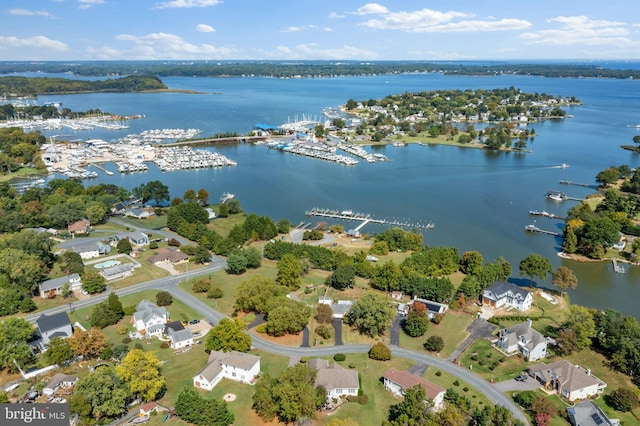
(57, 282)
(342, 307)
(502, 288)
(525, 332)
(117, 269)
(334, 376)
(83, 248)
(60, 378)
(571, 377)
(145, 310)
(180, 335)
(52, 322)
(586, 413)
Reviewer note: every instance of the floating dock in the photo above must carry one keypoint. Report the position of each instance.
(617, 267)
(364, 218)
(545, 214)
(534, 228)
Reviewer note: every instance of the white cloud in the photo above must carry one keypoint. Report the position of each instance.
(26, 12)
(475, 26)
(371, 9)
(86, 4)
(187, 4)
(204, 28)
(295, 29)
(311, 51)
(37, 42)
(335, 15)
(327, 29)
(576, 30)
(170, 46)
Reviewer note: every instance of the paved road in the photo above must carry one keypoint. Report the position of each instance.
(478, 329)
(171, 284)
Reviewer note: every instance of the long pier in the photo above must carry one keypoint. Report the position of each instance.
(544, 213)
(533, 228)
(585, 185)
(364, 218)
(213, 141)
(99, 167)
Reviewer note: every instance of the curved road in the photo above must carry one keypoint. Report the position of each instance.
(171, 284)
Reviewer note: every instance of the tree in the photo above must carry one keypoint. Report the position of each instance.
(471, 262)
(104, 392)
(567, 341)
(343, 277)
(93, 282)
(412, 409)
(164, 298)
(581, 321)
(253, 256)
(140, 371)
(570, 241)
(14, 334)
(192, 408)
(417, 321)
(608, 176)
(535, 265)
(58, 351)
(154, 190)
(596, 234)
(622, 399)
(371, 314)
(228, 335)
(124, 246)
(434, 344)
(201, 286)
(543, 409)
(563, 278)
(287, 316)
(202, 255)
(88, 344)
(289, 271)
(236, 263)
(380, 352)
(203, 197)
(351, 104)
(324, 313)
(233, 206)
(254, 294)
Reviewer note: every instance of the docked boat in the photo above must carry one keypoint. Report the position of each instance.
(556, 196)
(226, 197)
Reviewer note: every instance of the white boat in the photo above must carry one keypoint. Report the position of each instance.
(226, 197)
(346, 212)
(564, 165)
(556, 196)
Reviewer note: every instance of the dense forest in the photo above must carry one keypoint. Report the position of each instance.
(23, 86)
(283, 69)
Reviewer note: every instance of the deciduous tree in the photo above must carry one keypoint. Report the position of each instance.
(563, 278)
(417, 321)
(371, 314)
(140, 371)
(286, 316)
(58, 351)
(228, 335)
(93, 282)
(289, 271)
(535, 265)
(14, 334)
(89, 344)
(255, 293)
(105, 392)
(164, 298)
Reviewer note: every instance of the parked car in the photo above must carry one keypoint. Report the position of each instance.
(195, 321)
(522, 377)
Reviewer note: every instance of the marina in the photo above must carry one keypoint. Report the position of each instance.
(365, 218)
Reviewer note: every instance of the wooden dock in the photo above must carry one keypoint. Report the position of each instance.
(364, 218)
(545, 214)
(99, 167)
(584, 185)
(533, 228)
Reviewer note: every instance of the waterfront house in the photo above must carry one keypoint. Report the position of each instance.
(79, 227)
(586, 413)
(60, 381)
(571, 381)
(179, 337)
(233, 365)
(433, 308)
(53, 287)
(168, 255)
(503, 294)
(138, 213)
(335, 379)
(117, 272)
(398, 381)
(51, 326)
(149, 319)
(523, 339)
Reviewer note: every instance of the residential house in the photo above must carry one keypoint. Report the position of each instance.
(117, 272)
(503, 294)
(586, 413)
(341, 308)
(53, 287)
(335, 379)
(233, 365)
(91, 250)
(571, 381)
(523, 339)
(135, 238)
(179, 337)
(82, 226)
(323, 300)
(149, 408)
(138, 213)
(59, 381)
(168, 255)
(51, 326)
(149, 319)
(433, 308)
(396, 295)
(398, 381)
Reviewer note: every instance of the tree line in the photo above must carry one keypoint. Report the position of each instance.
(30, 86)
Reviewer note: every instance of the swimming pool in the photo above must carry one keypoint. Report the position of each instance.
(106, 264)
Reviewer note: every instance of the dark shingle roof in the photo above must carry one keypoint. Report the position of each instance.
(51, 322)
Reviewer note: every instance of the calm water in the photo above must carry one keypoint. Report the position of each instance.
(477, 200)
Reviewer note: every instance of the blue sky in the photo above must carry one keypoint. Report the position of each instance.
(319, 29)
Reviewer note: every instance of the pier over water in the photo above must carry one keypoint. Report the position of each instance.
(365, 218)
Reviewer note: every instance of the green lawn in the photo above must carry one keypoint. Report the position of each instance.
(446, 381)
(452, 329)
(484, 353)
(153, 222)
(223, 225)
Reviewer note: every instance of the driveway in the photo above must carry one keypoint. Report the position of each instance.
(513, 385)
(478, 329)
(305, 337)
(394, 332)
(337, 328)
(418, 369)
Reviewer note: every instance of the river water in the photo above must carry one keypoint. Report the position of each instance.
(477, 200)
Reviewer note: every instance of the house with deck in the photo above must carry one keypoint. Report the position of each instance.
(502, 294)
(523, 339)
(571, 381)
(53, 287)
(238, 366)
(335, 379)
(398, 381)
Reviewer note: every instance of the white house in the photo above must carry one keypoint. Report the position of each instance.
(523, 339)
(53, 287)
(135, 238)
(179, 337)
(335, 379)
(87, 251)
(397, 381)
(59, 381)
(503, 294)
(233, 365)
(571, 381)
(117, 271)
(149, 319)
